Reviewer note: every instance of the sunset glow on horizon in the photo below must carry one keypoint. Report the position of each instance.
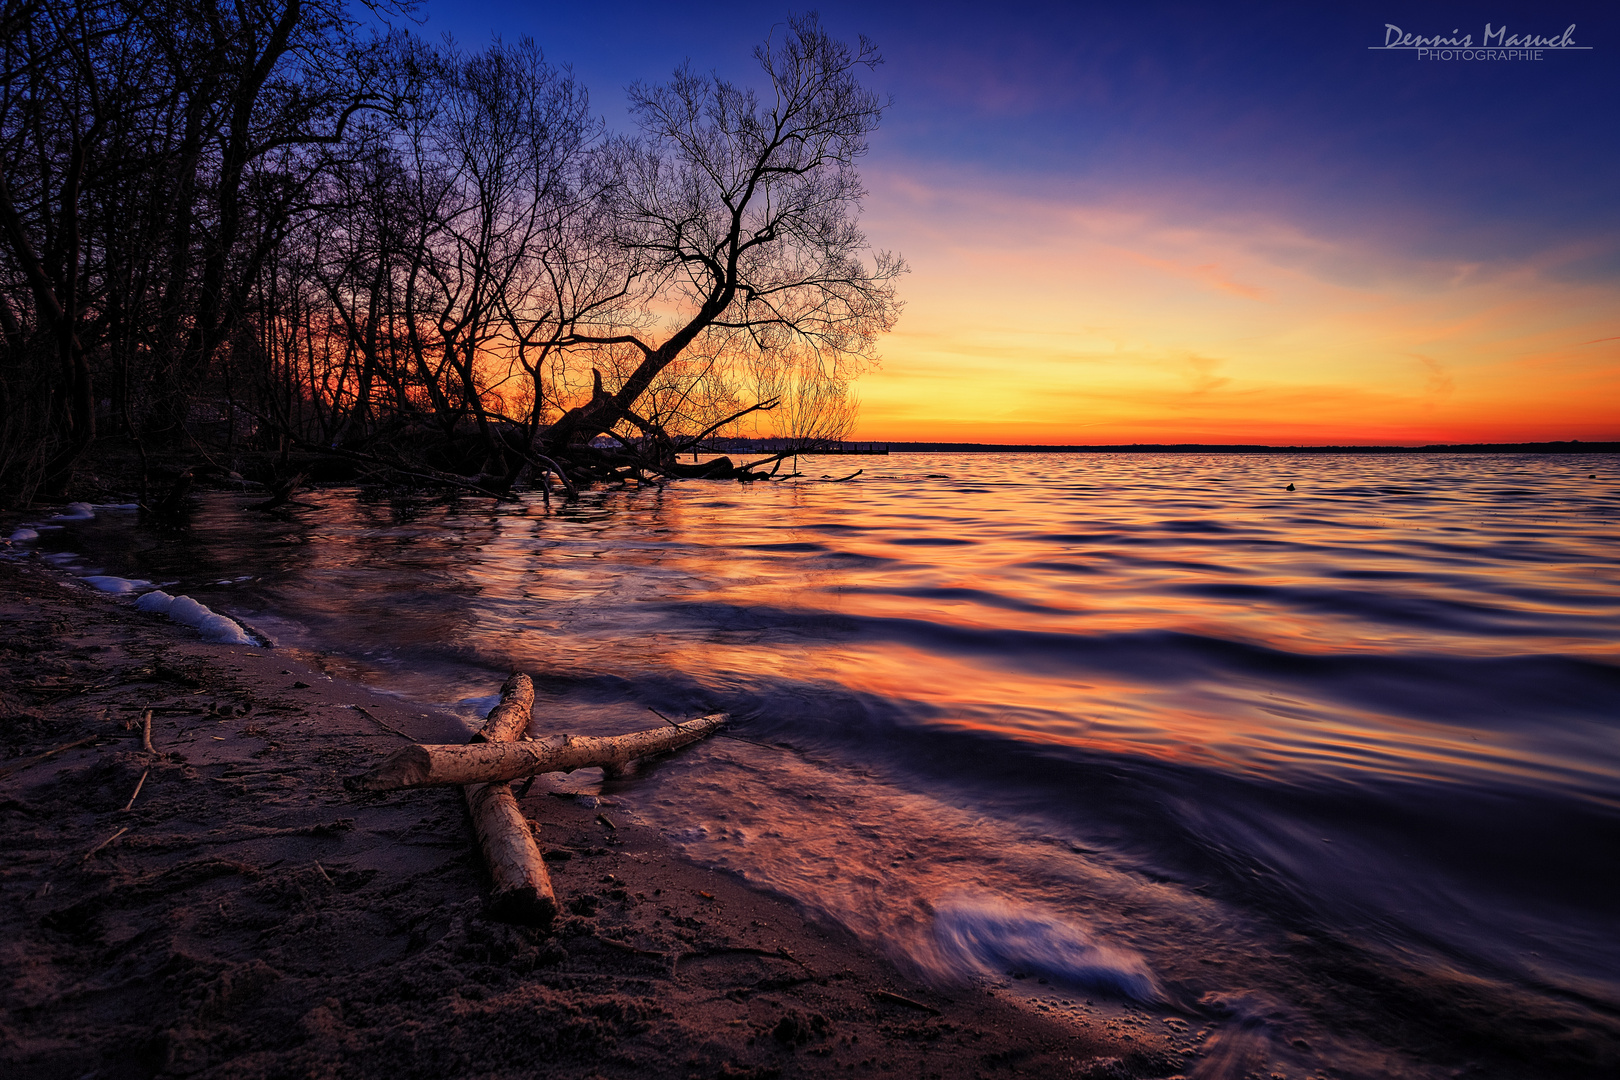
(1144, 224)
(1043, 322)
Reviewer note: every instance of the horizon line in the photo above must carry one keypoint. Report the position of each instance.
(1545, 446)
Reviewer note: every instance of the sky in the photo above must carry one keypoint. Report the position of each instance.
(1142, 222)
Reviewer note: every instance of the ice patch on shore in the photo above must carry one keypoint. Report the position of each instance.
(109, 584)
(986, 937)
(186, 611)
(23, 534)
(79, 511)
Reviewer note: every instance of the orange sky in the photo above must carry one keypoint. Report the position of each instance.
(1131, 319)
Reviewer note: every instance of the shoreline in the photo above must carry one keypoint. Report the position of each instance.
(243, 916)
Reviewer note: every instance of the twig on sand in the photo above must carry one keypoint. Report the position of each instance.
(363, 711)
(896, 999)
(104, 843)
(37, 758)
(779, 953)
(625, 946)
(138, 785)
(146, 732)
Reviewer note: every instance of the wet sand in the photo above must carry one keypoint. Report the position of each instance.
(245, 916)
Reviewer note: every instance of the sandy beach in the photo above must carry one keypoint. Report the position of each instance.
(222, 907)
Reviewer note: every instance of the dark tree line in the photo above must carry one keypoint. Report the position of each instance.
(254, 228)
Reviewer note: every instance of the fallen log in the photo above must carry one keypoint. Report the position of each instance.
(509, 720)
(520, 886)
(498, 762)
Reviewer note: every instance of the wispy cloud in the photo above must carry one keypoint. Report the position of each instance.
(1119, 312)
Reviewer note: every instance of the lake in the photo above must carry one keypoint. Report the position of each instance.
(1334, 767)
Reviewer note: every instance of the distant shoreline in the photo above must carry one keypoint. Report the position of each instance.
(1574, 446)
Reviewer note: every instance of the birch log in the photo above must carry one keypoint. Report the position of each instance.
(498, 762)
(509, 720)
(521, 888)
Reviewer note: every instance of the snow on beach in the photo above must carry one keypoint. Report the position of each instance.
(186, 611)
(117, 585)
(182, 609)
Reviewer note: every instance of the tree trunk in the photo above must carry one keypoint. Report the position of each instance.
(521, 888)
(497, 762)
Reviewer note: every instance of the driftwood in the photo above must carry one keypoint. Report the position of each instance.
(138, 785)
(37, 758)
(521, 890)
(497, 762)
(509, 720)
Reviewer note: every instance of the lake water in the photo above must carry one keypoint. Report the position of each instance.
(1335, 768)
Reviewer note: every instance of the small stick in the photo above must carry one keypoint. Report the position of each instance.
(363, 711)
(9, 769)
(662, 717)
(138, 785)
(896, 999)
(104, 843)
(625, 946)
(324, 874)
(146, 732)
(603, 818)
(733, 738)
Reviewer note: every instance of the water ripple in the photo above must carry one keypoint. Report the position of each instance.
(1151, 725)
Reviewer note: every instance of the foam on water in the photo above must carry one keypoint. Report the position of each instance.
(985, 936)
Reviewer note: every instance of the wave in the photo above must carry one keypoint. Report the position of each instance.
(985, 936)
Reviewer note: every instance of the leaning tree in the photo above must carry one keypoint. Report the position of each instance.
(739, 213)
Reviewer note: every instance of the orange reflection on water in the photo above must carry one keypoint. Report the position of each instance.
(1185, 608)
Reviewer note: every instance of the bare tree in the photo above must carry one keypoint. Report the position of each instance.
(153, 157)
(743, 212)
(245, 225)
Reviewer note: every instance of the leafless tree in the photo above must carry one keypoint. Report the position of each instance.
(251, 226)
(152, 158)
(743, 210)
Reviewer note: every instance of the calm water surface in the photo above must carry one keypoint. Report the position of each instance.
(1333, 772)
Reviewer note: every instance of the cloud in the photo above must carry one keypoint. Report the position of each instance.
(1209, 274)
(1201, 374)
(1439, 383)
(1120, 316)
